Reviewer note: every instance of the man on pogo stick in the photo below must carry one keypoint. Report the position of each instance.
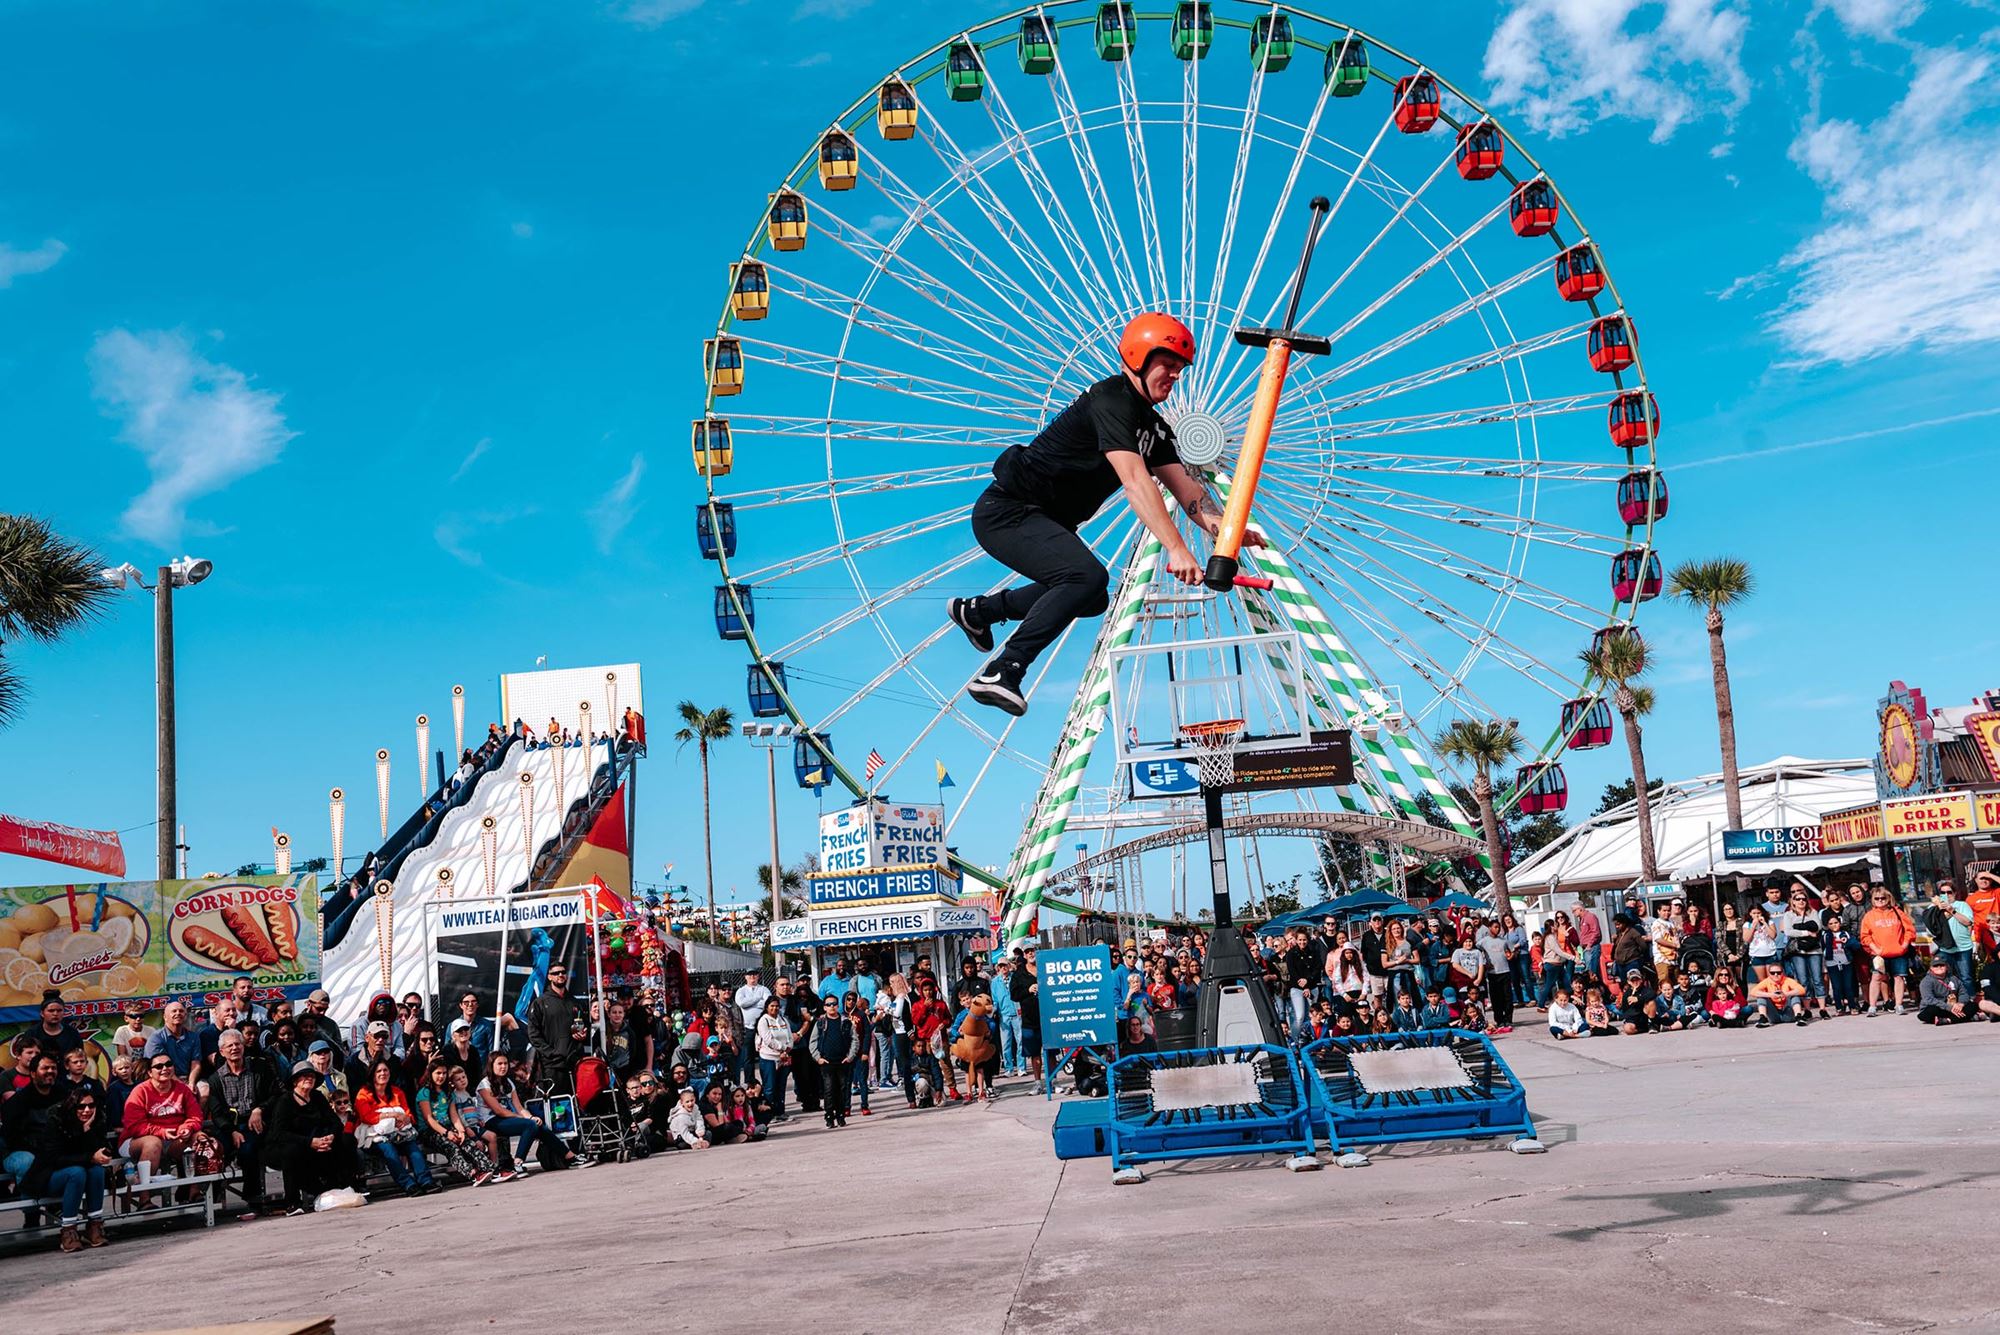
(1111, 437)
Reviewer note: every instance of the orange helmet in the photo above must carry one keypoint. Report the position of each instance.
(1154, 332)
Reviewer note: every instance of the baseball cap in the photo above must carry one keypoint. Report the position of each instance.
(1635, 973)
(379, 1027)
(319, 1045)
(457, 1025)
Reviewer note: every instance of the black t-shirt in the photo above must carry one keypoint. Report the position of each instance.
(1063, 471)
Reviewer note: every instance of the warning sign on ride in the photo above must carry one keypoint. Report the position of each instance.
(1076, 998)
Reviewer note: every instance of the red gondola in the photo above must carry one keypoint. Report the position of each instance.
(1635, 575)
(1533, 208)
(1599, 638)
(1635, 419)
(1481, 150)
(1611, 344)
(1588, 723)
(1542, 789)
(1579, 276)
(1642, 496)
(1417, 103)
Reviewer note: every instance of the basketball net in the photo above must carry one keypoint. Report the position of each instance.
(1214, 745)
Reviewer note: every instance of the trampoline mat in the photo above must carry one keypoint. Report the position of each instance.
(1402, 1070)
(1180, 1087)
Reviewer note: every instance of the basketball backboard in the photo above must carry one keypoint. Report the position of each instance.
(1157, 689)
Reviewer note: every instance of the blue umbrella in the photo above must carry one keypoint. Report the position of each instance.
(1459, 899)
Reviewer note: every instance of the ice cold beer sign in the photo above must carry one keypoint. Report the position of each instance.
(879, 833)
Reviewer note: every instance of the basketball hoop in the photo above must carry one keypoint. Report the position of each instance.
(1214, 745)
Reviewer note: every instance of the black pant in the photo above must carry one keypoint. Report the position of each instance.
(1069, 582)
(1501, 985)
(805, 1078)
(308, 1172)
(835, 1080)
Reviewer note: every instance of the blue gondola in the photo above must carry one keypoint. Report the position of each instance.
(766, 680)
(1588, 723)
(1542, 788)
(812, 759)
(728, 624)
(717, 536)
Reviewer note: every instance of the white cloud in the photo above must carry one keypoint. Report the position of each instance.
(652, 13)
(484, 444)
(1570, 63)
(1909, 252)
(199, 424)
(524, 230)
(15, 263)
(1875, 18)
(614, 510)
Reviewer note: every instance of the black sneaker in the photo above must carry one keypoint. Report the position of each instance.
(999, 684)
(964, 613)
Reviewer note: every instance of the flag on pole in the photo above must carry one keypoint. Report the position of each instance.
(944, 778)
(875, 763)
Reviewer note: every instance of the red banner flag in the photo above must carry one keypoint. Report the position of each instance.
(93, 850)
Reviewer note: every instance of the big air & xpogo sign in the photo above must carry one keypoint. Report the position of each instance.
(880, 833)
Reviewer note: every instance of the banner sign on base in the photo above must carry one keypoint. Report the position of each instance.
(881, 833)
(1077, 1005)
(1771, 841)
(866, 886)
(516, 915)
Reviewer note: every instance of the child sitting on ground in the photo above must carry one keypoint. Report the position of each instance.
(1597, 1015)
(1565, 1020)
(1471, 1017)
(1435, 1014)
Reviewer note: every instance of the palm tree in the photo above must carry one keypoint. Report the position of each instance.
(48, 585)
(704, 727)
(1484, 745)
(1620, 660)
(1714, 585)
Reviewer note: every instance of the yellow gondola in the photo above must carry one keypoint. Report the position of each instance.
(722, 359)
(786, 222)
(839, 160)
(896, 110)
(749, 290)
(713, 452)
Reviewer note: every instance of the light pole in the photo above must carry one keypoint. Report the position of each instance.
(183, 573)
(769, 737)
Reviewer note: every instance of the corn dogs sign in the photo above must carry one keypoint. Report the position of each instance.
(103, 944)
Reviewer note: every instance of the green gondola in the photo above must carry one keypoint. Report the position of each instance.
(1194, 30)
(1116, 27)
(1038, 45)
(1271, 43)
(964, 73)
(1347, 66)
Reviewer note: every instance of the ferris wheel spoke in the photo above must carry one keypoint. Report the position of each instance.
(1101, 299)
(1211, 333)
(848, 488)
(1054, 281)
(1403, 338)
(1329, 543)
(1049, 660)
(1479, 361)
(911, 334)
(868, 607)
(1085, 157)
(948, 297)
(1317, 426)
(926, 435)
(906, 383)
(1151, 244)
(1307, 138)
(1461, 514)
(923, 214)
(847, 548)
(1241, 355)
(1190, 183)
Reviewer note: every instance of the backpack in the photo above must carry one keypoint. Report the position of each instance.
(1938, 923)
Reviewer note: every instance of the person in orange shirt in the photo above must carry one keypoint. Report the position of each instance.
(384, 1108)
(1886, 937)
(1777, 996)
(1985, 901)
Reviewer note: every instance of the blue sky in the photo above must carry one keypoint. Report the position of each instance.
(394, 312)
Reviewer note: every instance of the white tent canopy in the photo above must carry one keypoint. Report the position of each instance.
(1688, 818)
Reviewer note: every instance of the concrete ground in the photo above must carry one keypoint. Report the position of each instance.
(1819, 1179)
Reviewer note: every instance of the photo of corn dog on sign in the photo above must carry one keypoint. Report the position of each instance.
(234, 927)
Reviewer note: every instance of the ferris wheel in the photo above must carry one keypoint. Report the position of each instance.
(1459, 497)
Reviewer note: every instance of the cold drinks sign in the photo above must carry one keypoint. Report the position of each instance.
(879, 833)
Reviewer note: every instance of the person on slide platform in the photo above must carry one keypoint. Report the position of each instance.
(1112, 437)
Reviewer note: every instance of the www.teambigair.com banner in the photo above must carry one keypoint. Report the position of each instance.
(100, 945)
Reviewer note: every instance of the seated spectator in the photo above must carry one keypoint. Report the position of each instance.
(1435, 1014)
(1939, 1000)
(130, 1038)
(76, 1075)
(282, 1046)
(1471, 1015)
(385, 1121)
(309, 1143)
(161, 1119)
(1671, 1007)
(743, 1112)
(1725, 1001)
(1777, 996)
(715, 1114)
(1597, 1018)
(70, 1161)
(1638, 1004)
(1565, 1020)
(441, 1128)
(461, 1052)
(382, 1011)
(506, 1115)
(650, 1109)
(373, 1048)
(416, 1061)
(473, 1114)
(176, 1040)
(239, 1091)
(1405, 1017)
(687, 1129)
(25, 1113)
(126, 1073)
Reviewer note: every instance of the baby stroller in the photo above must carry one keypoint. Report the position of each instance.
(605, 1128)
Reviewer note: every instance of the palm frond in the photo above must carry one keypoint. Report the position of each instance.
(48, 584)
(1719, 582)
(13, 695)
(1485, 744)
(1619, 659)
